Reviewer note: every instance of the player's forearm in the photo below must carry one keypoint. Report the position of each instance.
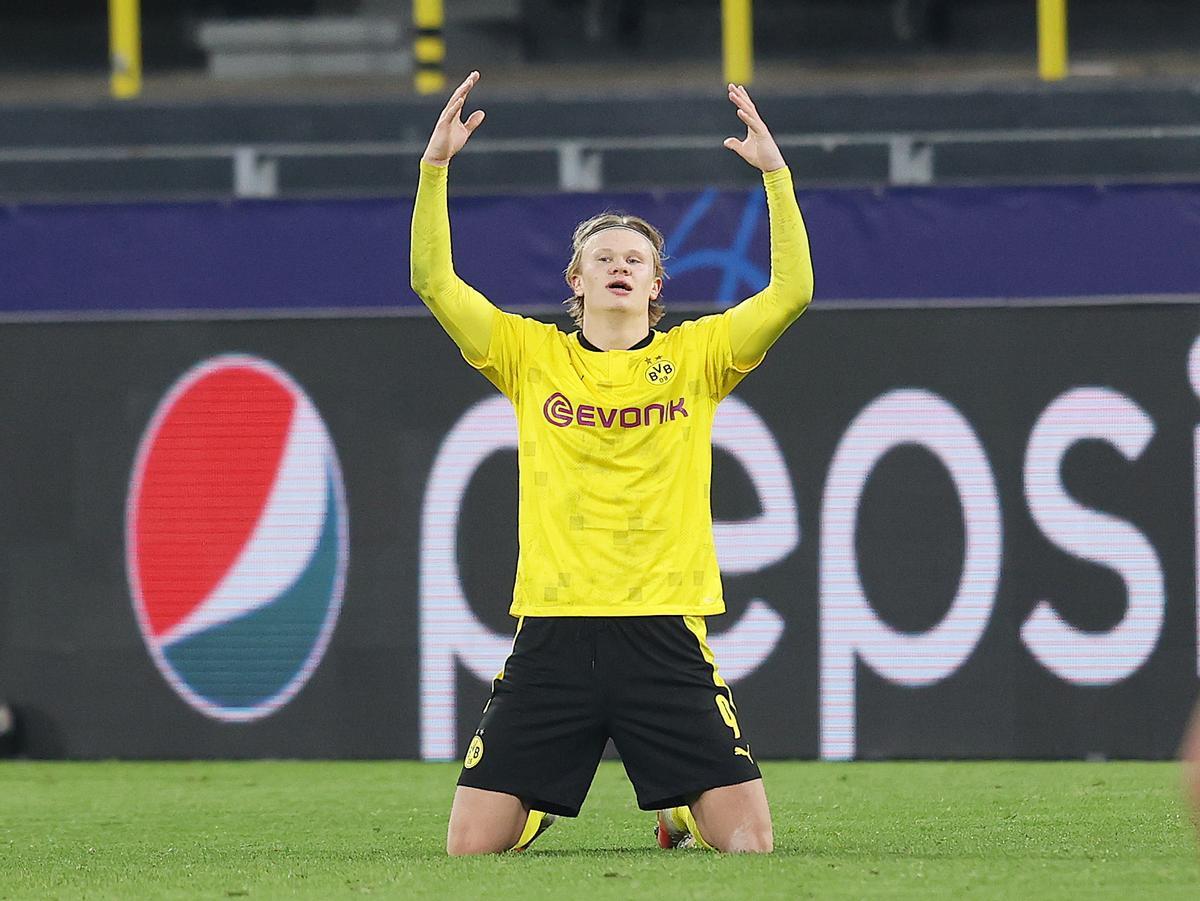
(757, 322)
(791, 261)
(463, 312)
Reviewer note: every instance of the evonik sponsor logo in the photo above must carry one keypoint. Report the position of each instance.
(559, 411)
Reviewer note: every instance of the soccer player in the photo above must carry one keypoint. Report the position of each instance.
(617, 568)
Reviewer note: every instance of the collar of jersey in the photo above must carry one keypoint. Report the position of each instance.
(588, 345)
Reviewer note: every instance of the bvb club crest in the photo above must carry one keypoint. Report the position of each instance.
(474, 752)
(659, 371)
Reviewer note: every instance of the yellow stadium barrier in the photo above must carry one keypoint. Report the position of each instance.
(429, 46)
(737, 40)
(125, 48)
(1052, 39)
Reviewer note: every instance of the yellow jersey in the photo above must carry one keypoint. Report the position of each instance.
(615, 459)
(615, 449)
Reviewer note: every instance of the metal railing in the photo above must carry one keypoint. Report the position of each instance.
(912, 155)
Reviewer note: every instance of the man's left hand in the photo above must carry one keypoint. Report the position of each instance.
(758, 148)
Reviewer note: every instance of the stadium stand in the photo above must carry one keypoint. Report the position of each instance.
(895, 110)
(993, 133)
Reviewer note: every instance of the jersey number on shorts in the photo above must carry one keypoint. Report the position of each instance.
(728, 715)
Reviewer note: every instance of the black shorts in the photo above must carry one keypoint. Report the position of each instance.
(647, 682)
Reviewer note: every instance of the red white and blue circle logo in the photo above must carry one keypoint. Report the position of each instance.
(236, 538)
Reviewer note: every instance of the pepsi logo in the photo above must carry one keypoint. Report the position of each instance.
(236, 537)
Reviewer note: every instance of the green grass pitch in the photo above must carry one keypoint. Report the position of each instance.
(270, 829)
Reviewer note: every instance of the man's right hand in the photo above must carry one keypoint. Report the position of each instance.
(451, 132)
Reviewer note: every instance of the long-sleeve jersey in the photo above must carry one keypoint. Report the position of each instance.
(615, 447)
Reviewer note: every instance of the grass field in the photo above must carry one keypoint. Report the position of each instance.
(319, 830)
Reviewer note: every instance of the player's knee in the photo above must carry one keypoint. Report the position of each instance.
(460, 845)
(1191, 787)
(464, 841)
(750, 840)
(463, 846)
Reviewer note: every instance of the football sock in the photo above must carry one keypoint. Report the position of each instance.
(684, 815)
(531, 827)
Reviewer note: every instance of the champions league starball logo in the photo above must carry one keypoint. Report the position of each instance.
(236, 537)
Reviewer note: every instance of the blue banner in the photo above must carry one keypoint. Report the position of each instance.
(962, 244)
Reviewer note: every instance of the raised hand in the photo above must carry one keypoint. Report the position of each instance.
(758, 148)
(451, 132)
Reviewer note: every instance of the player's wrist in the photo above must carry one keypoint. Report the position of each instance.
(772, 163)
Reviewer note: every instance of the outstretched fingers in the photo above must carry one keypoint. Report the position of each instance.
(743, 97)
(451, 132)
(465, 88)
(450, 111)
(746, 110)
(455, 104)
(758, 148)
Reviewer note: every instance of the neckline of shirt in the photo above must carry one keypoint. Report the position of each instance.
(588, 345)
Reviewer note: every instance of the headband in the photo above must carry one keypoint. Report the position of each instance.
(628, 228)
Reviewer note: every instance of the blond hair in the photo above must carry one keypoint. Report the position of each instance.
(589, 227)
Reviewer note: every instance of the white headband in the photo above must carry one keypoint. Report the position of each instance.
(628, 228)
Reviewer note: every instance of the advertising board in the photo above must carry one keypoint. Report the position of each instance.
(943, 533)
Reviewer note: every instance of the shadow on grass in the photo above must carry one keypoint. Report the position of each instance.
(657, 853)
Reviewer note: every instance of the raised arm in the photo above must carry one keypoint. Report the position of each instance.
(465, 314)
(758, 321)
